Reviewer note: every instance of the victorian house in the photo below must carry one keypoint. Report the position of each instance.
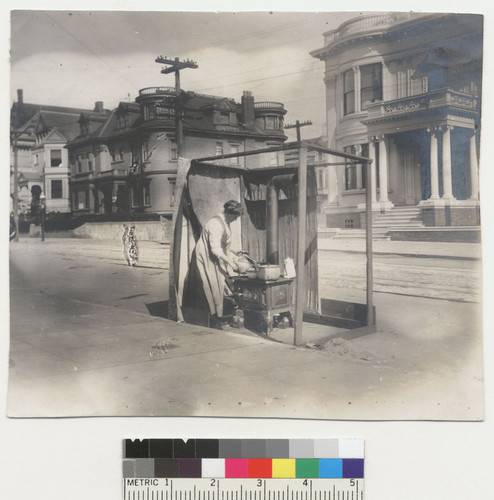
(404, 89)
(127, 161)
(39, 135)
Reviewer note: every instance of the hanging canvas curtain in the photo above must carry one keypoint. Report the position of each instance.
(202, 190)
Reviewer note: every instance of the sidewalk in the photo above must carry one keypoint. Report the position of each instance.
(470, 251)
(95, 360)
(74, 354)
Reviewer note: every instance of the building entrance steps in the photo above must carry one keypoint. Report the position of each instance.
(395, 218)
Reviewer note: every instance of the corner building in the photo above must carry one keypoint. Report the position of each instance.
(128, 162)
(404, 89)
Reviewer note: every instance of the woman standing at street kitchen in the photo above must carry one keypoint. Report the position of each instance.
(213, 260)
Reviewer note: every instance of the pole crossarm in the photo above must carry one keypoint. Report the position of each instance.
(175, 64)
(298, 124)
(175, 67)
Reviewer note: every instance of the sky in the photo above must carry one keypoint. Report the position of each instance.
(74, 58)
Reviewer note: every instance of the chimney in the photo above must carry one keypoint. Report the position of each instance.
(248, 108)
(20, 96)
(98, 106)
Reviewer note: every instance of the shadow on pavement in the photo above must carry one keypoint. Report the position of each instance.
(158, 309)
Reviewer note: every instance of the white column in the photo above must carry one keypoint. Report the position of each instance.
(356, 85)
(446, 163)
(383, 170)
(434, 166)
(474, 169)
(372, 156)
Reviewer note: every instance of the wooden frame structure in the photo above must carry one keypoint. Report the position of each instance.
(303, 147)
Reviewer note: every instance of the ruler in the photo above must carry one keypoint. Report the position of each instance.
(243, 469)
(242, 489)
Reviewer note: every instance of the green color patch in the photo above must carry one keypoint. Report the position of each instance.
(307, 467)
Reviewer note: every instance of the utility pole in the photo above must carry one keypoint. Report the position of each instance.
(298, 125)
(175, 65)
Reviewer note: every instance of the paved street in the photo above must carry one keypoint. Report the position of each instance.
(88, 339)
(436, 278)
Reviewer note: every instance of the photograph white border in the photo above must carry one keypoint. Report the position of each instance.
(81, 458)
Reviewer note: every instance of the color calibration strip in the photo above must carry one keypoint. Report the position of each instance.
(246, 458)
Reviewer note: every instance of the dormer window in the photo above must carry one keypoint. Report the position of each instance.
(84, 127)
(123, 120)
(224, 118)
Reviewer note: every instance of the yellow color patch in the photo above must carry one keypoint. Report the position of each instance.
(283, 467)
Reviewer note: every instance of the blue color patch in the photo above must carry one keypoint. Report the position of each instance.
(330, 467)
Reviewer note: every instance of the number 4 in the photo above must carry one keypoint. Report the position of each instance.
(305, 482)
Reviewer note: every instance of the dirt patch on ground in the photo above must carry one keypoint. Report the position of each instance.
(349, 349)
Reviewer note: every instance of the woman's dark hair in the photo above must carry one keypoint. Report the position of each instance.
(233, 207)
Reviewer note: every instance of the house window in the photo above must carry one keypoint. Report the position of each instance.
(81, 200)
(219, 148)
(173, 149)
(234, 149)
(55, 157)
(271, 123)
(321, 178)
(348, 92)
(90, 162)
(350, 170)
(134, 193)
(79, 164)
(365, 154)
(173, 185)
(56, 190)
(145, 151)
(435, 79)
(371, 88)
(36, 160)
(146, 193)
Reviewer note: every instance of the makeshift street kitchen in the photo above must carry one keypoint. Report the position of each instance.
(262, 256)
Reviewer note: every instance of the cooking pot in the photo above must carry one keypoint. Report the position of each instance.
(268, 272)
(252, 273)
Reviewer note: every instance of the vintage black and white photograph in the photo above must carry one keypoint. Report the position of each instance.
(246, 214)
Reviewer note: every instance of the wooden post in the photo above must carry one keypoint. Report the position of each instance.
(368, 243)
(302, 228)
(16, 190)
(178, 115)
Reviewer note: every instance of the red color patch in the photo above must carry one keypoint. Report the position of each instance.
(260, 467)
